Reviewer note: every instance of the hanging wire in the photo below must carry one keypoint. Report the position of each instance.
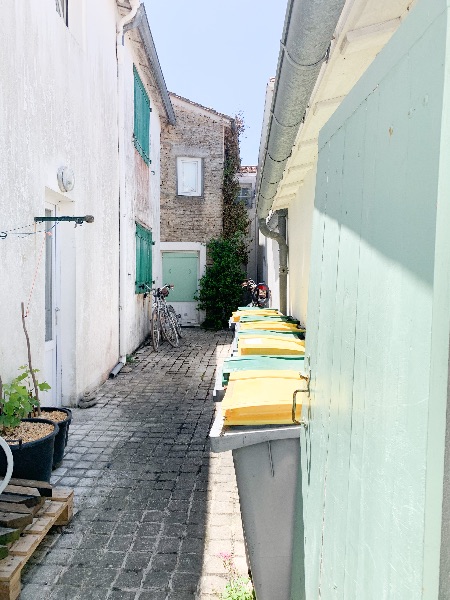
(47, 232)
(37, 231)
(16, 231)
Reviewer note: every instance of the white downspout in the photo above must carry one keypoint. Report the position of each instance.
(123, 212)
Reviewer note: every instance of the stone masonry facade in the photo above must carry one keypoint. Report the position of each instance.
(198, 133)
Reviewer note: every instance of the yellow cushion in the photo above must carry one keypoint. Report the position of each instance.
(263, 312)
(262, 398)
(269, 326)
(265, 374)
(270, 345)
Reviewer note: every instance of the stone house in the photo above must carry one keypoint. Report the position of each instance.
(192, 163)
(82, 104)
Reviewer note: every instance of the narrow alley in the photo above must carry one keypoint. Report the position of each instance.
(153, 509)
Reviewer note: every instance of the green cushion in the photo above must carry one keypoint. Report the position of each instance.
(259, 363)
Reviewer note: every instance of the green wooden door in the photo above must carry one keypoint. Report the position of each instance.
(181, 269)
(376, 433)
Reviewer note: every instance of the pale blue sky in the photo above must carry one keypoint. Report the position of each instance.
(221, 55)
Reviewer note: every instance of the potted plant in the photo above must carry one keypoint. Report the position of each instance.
(31, 439)
(61, 416)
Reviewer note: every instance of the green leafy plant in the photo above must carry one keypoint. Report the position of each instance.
(234, 215)
(220, 288)
(238, 586)
(17, 399)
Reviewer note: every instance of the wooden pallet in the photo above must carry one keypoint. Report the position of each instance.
(47, 511)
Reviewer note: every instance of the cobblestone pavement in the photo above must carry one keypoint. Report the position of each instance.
(153, 506)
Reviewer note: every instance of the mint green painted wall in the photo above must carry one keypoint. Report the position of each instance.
(371, 457)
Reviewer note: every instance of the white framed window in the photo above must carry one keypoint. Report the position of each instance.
(245, 195)
(189, 176)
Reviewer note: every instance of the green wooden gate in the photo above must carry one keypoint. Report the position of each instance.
(377, 339)
(181, 269)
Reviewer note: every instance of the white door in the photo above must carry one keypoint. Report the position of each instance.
(51, 375)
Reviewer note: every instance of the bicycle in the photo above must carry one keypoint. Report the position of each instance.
(176, 319)
(164, 321)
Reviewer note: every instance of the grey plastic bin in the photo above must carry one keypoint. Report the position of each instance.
(266, 461)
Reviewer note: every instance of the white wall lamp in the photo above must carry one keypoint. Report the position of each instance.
(66, 179)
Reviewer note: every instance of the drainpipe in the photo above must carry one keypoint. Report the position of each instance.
(123, 213)
(279, 237)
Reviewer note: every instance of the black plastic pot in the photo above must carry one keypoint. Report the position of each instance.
(62, 436)
(32, 460)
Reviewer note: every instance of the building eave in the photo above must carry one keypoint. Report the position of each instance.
(363, 29)
(140, 22)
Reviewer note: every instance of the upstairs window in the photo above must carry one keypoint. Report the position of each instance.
(62, 10)
(144, 244)
(189, 176)
(142, 112)
(245, 195)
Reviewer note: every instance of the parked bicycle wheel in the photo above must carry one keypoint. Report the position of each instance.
(168, 329)
(154, 329)
(175, 318)
(162, 324)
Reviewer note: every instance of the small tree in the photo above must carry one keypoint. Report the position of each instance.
(220, 289)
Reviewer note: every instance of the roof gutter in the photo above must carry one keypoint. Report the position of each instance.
(308, 30)
(140, 22)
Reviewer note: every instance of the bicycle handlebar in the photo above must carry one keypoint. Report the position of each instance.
(158, 291)
(248, 283)
(170, 286)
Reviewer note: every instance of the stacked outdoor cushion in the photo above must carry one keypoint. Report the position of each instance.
(261, 397)
(265, 370)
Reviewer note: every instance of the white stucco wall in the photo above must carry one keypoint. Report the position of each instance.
(269, 267)
(299, 239)
(299, 227)
(58, 106)
(142, 198)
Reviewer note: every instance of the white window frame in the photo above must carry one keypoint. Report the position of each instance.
(246, 200)
(198, 191)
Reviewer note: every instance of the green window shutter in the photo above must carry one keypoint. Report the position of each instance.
(144, 244)
(141, 118)
(138, 262)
